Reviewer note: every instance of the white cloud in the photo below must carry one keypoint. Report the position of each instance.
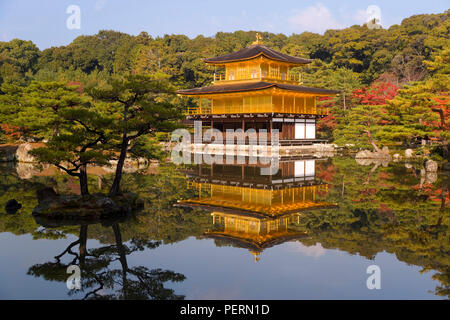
(99, 4)
(314, 251)
(316, 18)
(361, 16)
(366, 16)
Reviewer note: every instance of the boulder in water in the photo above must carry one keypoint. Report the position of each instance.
(43, 194)
(12, 206)
(366, 154)
(431, 166)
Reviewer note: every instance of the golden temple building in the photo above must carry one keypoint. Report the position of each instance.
(257, 88)
(256, 211)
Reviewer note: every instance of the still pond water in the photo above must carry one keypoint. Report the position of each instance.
(225, 231)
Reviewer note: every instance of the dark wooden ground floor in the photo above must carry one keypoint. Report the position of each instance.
(288, 129)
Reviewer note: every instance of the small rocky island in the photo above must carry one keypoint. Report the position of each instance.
(95, 206)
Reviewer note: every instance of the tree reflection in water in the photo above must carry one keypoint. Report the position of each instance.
(400, 211)
(101, 279)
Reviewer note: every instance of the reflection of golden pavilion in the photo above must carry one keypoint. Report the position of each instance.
(239, 188)
(254, 211)
(254, 233)
(267, 202)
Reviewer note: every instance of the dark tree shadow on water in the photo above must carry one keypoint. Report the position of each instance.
(105, 273)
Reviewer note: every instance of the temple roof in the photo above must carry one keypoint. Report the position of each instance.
(254, 245)
(251, 86)
(254, 51)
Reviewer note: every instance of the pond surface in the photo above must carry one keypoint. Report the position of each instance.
(224, 231)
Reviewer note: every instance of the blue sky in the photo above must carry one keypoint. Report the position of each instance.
(44, 21)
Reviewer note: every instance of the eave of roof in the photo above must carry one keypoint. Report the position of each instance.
(253, 86)
(253, 52)
(254, 245)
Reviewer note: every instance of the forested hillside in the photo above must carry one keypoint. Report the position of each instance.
(394, 83)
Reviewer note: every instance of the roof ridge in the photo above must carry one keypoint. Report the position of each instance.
(254, 51)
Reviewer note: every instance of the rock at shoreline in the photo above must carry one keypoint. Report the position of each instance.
(23, 151)
(96, 206)
(368, 162)
(366, 154)
(431, 177)
(408, 153)
(431, 166)
(323, 147)
(385, 150)
(45, 193)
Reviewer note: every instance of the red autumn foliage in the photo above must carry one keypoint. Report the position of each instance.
(79, 85)
(384, 208)
(326, 172)
(437, 196)
(329, 122)
(384, 175)
(368, 191)
(434, 193)
(376, 94)
(442, 105)
(10, 130)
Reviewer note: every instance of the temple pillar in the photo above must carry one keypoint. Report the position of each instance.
(269, 138)
(243, 130)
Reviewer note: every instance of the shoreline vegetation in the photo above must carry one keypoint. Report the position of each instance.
(110, 97)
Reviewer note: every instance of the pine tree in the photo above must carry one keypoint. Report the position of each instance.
(44, 100)
(81, 142)
(361, 126)
(139, 105)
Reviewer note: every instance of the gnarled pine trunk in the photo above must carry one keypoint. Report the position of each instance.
(115, 188)
(83, 181)
(375, 147)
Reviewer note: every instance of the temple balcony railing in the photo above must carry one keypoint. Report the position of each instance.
(198, 110)
(230, 109)
(272, 75)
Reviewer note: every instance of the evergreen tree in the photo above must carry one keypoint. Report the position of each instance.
(81, 142)
(139, 105)
(42, 102)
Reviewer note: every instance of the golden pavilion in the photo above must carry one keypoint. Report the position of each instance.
(257, 88)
